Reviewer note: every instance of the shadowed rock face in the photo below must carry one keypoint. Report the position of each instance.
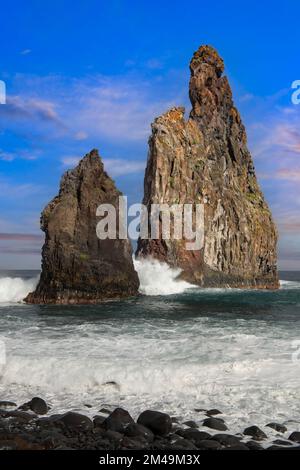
(77, 267)
(205, 160)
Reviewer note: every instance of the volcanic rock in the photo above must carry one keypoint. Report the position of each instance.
(37, 405)
(255, 433)
(277, 427)
(205, 161)
(118, 420)
(159, 423)
(215, 423)
(78, 267)
(295, 436)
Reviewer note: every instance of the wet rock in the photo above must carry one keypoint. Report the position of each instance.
(118, 420)
(256, 433)
(52, 439)
(195, 435)
(138, 430)
(281, 442)
(226, 439)
(213, 412)
(183, 444)
(159, 423)
(19, 442)
(209, 445)
(253, 445)
(113, 436)
(49, 421)
(239, 446)
(191, 424)
(7, 404)
(65, 448)
(38, 406)
(20, 416)
(105, 411)
(75, 421)
(8, 444)
(128, 443)
(98, 421)
(215, 423)
(295, 436)
(277, 427)
(274, 447)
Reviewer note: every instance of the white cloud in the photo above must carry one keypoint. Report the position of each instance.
(94, 107)
(118, 167)
(23, 154)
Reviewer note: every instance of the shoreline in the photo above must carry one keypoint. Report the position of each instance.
(32, 426)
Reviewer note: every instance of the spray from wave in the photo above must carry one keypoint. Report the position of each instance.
(286, 285)
(15, 289)
(157, 278)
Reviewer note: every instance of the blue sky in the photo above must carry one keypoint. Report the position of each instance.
(87, 74)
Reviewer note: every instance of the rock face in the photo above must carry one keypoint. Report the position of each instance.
(77, 267)
(205, 160)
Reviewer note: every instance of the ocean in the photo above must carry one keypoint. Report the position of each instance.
(175, 348)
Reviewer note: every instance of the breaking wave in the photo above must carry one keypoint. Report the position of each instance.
(157, 278)
(15, 289)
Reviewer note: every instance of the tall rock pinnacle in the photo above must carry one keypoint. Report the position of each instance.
(77, 267)
(205, 160)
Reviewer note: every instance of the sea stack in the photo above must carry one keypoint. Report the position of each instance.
(77, 267)
(205, 160)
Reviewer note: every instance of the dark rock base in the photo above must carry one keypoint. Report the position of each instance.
(29, 427)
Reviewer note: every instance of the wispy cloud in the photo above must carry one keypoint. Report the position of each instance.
(25, 51)
(117, 108)
(23, 154)
(114, 166)
(95, 107)
(19, 107)
(118, 167)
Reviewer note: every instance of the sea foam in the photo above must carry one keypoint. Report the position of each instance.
(15, 289)
(158, 278)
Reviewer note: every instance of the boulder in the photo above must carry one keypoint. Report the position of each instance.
(277, 427)
(118, 420)
(159, 423)
(139, 431)
(215, 423)
(295, 436)
(74, 421)
(255, 432)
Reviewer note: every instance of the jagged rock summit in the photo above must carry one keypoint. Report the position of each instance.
(205, 160)
(77, 267)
